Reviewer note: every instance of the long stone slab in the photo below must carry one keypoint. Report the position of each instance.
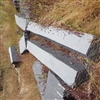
(13, 55)
(21, 22)
(66, 67)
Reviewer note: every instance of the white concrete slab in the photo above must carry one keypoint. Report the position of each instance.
(22, 44)
(66, 73)
(13, 55)
(79, 43)
(21, 22)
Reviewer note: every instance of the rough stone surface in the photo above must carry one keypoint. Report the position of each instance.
(81, 43)
(81, 77)
(94, 50)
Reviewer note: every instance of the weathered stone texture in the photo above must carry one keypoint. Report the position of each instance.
(94, 50)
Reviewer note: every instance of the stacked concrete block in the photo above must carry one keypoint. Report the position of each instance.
(82, 43)
(66, 67)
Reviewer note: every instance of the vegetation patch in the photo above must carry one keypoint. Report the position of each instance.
(78, 15)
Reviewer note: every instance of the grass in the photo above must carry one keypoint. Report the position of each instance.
(83, 15)
(91, 89)
(10, 35)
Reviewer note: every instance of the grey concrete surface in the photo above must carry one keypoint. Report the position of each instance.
(54, 89)
(71, 74)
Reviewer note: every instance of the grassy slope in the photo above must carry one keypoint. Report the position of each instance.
(13, 89)
(80, 15)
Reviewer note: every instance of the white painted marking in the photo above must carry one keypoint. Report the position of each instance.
(55, 99)
(66, 73)
(61, 86)
(59, 94)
